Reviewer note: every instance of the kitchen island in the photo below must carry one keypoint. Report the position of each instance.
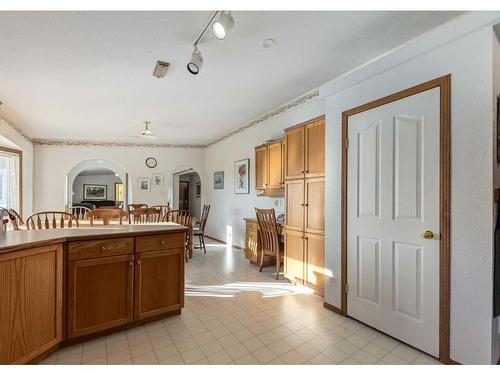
(61, 286)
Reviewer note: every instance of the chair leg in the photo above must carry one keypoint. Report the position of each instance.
(202, 240)
(278, 263)
(186, 253)
(261, 260)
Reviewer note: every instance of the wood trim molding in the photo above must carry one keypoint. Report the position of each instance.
(444, 84)
(335, 309)
(20, 154)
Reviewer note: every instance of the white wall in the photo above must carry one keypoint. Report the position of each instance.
(469, 60)
(20, 143)
(228, 208)
(52, 164)
(94, 179)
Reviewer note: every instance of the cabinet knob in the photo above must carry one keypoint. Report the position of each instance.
(103, 248)
(139, 262)
(162, 242)
(130, 264)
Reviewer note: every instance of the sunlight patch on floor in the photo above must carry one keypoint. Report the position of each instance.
(267, 289)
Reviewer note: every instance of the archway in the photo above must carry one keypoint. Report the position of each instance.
(187, 186)
(97, 182)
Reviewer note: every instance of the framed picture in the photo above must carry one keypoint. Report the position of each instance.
(198, 189)
(95, 192)
(144, 184)
(219, 180)
(157, 180)
(242, 176)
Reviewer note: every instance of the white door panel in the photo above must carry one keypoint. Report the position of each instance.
(393, 197)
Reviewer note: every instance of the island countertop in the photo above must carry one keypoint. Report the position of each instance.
(24, 239)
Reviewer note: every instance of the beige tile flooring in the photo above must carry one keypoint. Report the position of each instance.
(236, 315)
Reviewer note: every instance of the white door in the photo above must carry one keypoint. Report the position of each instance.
(393, 197)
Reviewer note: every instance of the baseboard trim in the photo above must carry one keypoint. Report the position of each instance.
(328, 306)
(224, 242)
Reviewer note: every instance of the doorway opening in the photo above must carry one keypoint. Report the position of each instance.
(97, 183)
(187, 191)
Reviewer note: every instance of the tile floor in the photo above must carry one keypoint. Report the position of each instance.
(236, 315)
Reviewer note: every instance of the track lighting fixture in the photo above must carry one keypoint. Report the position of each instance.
(223, 25)
(194, 65)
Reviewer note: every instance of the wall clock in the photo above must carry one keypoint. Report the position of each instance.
(151, 162)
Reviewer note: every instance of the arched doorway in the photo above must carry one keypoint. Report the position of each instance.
(187, 190)
(97, 182)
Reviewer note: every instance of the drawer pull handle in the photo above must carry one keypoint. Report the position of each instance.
(162, 242)
(130, 264)
(103, 248)
(139, 262)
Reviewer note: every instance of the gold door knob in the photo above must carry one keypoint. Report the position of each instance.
(430, 235)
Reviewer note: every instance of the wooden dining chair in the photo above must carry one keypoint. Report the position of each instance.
(144, 215)
(269, 238)
(200, 231)
(15, 219)
(134, 206)
(164, 208)
(106, 214)
(51, 220)
(184, 218)
(4, 219)
(80, 212)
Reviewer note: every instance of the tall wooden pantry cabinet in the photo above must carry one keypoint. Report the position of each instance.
(305, 204)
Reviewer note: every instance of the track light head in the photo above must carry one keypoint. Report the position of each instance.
(223, 25)
(194, 65)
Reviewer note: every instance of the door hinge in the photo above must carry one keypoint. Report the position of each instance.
(346, 287)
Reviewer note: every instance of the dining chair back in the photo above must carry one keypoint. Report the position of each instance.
(80, 212)
(15, 219)
(4, 219)
(106, 214)
(144, 215)
(268, 237)
(184, 218)
(51, 220)
(200, 231)
(164, 208)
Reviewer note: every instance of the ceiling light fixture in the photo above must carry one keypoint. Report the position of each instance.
(161, 69)
(194, 65)
(147, 133)
(223, 25)
(220, 28)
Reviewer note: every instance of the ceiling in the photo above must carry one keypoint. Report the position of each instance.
(88, 75)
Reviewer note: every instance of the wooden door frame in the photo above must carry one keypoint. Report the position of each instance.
(443, 83)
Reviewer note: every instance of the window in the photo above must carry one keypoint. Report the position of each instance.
(118, 192)
(10, 178)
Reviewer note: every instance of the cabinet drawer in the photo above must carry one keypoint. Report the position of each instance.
(161, 242)
(251, 226)
(100, 248)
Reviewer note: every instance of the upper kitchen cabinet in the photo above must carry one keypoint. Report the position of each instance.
(295, 153)
(315, 148)
(269, 179)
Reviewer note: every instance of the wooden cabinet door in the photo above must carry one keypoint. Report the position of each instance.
(294, 256)
(274, 154)
(30, 303)
(315, 148)
(314, 254)
(314, 216)
(159, 283)
(294, 204)
(100, 294)
(295, 153)
(261, 172)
